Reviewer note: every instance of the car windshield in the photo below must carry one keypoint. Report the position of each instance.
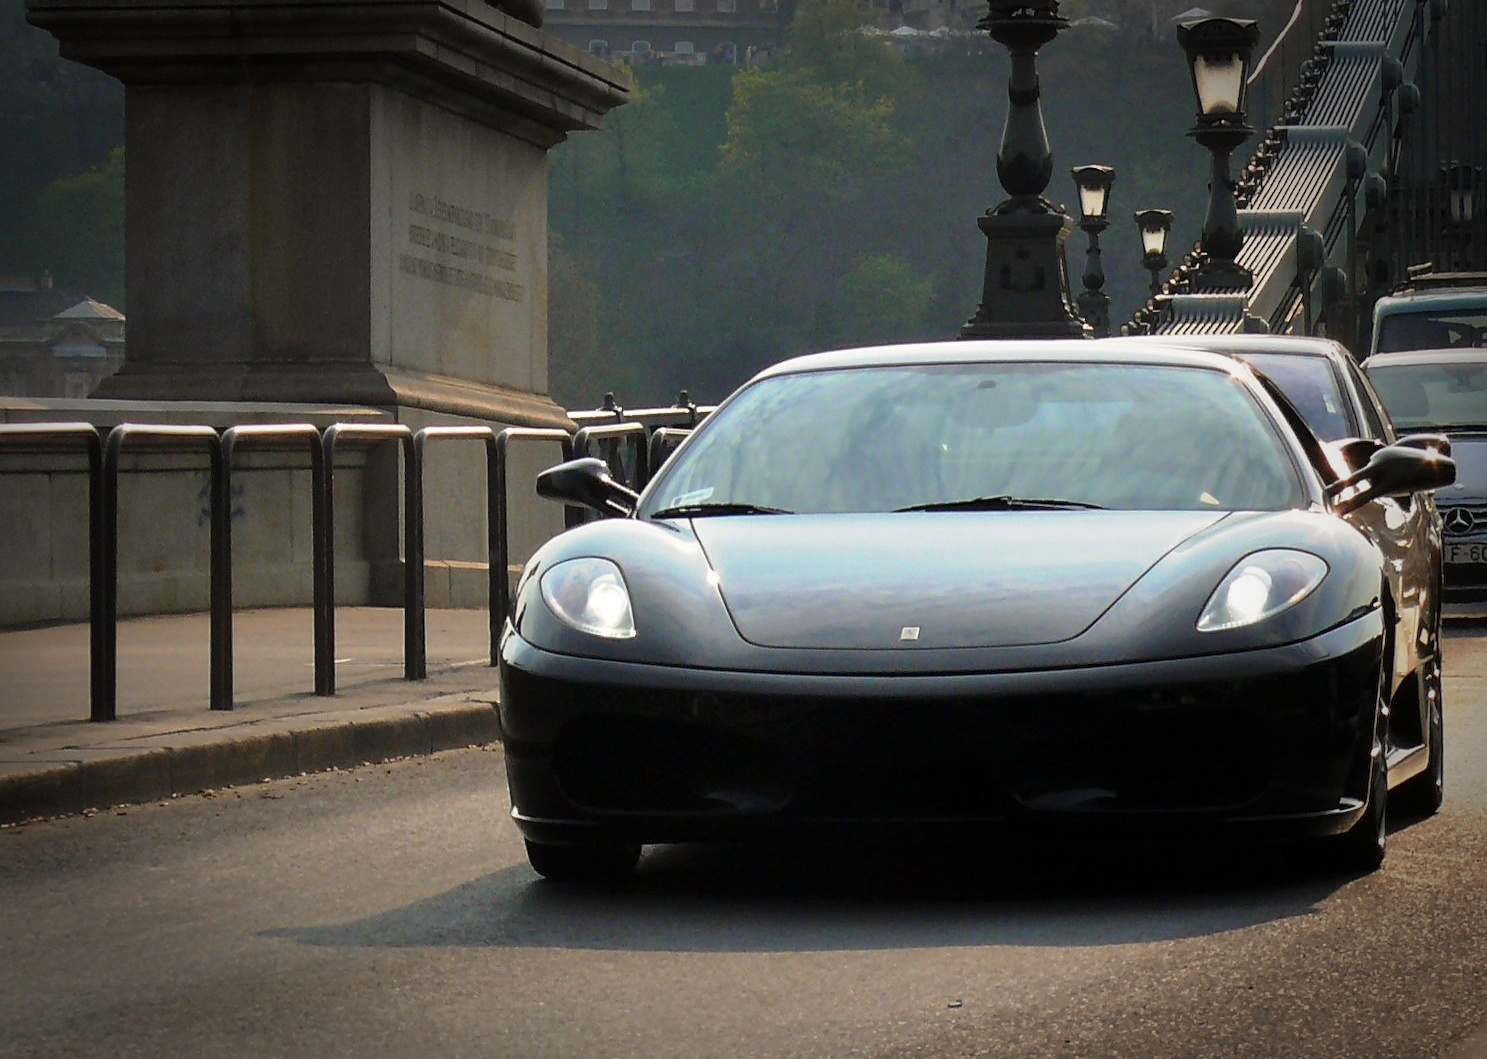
(983, 436)
(1311, 384)
(1457, 329)
(1433, 395)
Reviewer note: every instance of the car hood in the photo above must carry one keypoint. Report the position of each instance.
(933, 579)
(1469, 450)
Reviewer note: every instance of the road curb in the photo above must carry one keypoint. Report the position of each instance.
(182, 763)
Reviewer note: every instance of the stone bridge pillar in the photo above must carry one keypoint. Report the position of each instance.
(344, 203)
(340, 202)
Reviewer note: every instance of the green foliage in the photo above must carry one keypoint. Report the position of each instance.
(804, 143)
(56, 118)
(77, 231)
(825, 46)
(882, 299)
(830, 199)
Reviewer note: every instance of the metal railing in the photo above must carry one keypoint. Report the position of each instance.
(612, 443)
(31, 436)
(614, 432)
(685, 413)
(664, 441)
(325, 653)
(371, 434)
(495, 506)
(201, 438)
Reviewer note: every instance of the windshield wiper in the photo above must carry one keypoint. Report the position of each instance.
(1004, 503)
(704, 510)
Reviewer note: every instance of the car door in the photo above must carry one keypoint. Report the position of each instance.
(1408, 531)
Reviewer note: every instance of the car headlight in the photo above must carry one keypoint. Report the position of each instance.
(1259, 586)
(590, 595)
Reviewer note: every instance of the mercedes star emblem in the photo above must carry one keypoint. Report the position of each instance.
(1459, 521)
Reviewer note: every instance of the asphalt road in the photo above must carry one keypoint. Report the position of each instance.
(388, 912)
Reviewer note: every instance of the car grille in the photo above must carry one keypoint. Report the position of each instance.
(1211, 747)
(1464, 520)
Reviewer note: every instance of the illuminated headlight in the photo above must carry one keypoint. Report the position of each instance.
(1259, 586)
(590, 595)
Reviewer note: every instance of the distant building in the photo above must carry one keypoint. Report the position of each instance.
(667, 31)
(55, 342)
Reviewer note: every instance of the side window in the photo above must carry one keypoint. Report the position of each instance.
(1374, 417)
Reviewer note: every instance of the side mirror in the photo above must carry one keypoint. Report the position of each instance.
(1392, 471)
(1355, 453)
(587, 482)
(1438, 442)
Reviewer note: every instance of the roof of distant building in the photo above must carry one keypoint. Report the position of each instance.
(88, 309)
(28, 302)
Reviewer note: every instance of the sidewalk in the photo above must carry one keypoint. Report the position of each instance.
(166, 741)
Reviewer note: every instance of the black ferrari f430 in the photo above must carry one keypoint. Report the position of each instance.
(1025, 584)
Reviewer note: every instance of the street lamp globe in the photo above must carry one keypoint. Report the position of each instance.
(1094, 182)
(1219, 51)
(1156, 226)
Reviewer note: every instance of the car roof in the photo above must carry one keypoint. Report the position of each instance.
(1419, 301)
(1006, 351)
(1407, 357)
(1287, 345)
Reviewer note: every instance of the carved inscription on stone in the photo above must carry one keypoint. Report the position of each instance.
(451, 244)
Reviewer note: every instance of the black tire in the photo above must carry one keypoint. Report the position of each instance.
(1422, 795)
(583, 863)
(1361, 848)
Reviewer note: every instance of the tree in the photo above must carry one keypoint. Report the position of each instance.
(56, 118)
(76, 231)
(882, 299)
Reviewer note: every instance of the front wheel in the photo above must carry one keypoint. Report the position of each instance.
(1361, 847)
(1423, 794)
(583, 863)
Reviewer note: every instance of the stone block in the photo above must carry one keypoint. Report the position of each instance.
(75, 600)
(472, 725)
(122, 777)
(164, 521)
(459, 246)
(385, 734)
(436, 585)
(208, 760)
(22, 602)
(469, 586)
(26, 792)
(301, 517)
(325, 747)
(25, 511)
(263, 514)
(67, 515)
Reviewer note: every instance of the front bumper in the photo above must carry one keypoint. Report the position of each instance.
(600, 750)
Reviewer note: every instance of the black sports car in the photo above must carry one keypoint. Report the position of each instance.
(1046, 583)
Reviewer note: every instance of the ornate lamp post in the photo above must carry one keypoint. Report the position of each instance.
(1156, 226)
(1094, 183)
(1219, 52)
(1025, 293)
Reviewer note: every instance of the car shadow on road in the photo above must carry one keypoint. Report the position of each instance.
(796, 897)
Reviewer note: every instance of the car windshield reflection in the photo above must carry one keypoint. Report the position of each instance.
(1445, 393)
(950, 436)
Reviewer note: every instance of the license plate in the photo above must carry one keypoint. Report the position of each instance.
(1466, 553)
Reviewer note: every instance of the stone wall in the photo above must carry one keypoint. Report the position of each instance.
(164, 526)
